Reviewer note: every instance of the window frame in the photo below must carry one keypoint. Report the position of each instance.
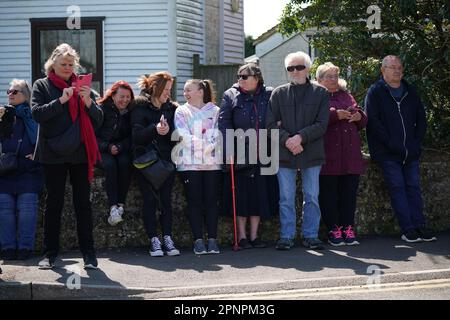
(43, 24)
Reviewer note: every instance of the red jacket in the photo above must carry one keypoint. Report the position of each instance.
(342, 141)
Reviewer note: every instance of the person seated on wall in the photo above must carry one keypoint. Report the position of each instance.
(114, 143)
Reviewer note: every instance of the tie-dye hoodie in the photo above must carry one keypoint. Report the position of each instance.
(199, 135)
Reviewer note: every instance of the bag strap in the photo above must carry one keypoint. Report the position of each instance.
(18, 147)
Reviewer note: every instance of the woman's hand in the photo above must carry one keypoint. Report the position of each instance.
(343, 114)
(85, 93)
(114, 150)
(66, 95)
(29, 156)
(163, 127)
(355, 117)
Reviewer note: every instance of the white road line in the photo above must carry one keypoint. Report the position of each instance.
(297, 293)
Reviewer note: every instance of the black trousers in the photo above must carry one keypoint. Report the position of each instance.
(337, 199)
(152, 200)
(55, 182)
(118, 171)
(202, 193)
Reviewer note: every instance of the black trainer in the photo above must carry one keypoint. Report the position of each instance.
(8, 254)
(24, 254)
(244, 244)
(90, 261)
(411, 236)
(426, 234)
(258, 243)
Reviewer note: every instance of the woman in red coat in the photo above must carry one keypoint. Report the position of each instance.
(339, 177)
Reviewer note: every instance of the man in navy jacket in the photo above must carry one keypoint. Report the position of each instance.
(395, 131)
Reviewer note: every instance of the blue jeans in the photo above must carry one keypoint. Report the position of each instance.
(311, 210)
(403, 182)
(18, 232)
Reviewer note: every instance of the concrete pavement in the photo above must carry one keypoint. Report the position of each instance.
(133, 274)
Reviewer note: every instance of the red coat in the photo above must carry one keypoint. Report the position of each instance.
(342, 141)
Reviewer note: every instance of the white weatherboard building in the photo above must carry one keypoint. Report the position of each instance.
(119, 40)
(272, 47)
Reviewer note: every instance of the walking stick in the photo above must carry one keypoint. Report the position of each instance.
(235, 244)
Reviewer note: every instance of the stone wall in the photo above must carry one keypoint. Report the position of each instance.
(374, 214)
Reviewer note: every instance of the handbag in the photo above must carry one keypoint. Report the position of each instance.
(8, 161)
(66, 143)
(155, 169)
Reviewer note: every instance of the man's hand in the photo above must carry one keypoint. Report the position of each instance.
(294, 144)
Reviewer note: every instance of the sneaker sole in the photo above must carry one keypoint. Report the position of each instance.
(404, 238)
(114, 223)
(340, 244)
(90, 267)
(200, 253)
(157, 254)
(213, 252)
(172, 254)
(429, 240)
(354, 243)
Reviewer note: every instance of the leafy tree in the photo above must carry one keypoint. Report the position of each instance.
(416, 30)
(249, 47)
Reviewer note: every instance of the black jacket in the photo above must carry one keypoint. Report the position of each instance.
(144, 119)
(54, 119)
(395, 131)
(115, 130)
(300, 109)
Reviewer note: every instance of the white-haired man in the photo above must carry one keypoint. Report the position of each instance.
(299, 110)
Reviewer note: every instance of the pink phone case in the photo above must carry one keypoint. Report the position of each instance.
(84, 80)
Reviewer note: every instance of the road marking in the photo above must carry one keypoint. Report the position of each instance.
(297, 293)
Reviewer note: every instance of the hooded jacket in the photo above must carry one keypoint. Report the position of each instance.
(395, 129)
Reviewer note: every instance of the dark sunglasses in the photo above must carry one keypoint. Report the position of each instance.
(243, 76)
(14, 92)
(299, 67)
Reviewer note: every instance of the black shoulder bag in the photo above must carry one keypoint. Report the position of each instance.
(8, 161)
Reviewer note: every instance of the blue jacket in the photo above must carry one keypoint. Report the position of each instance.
(241, 110)
(28, 177)
(395, 130)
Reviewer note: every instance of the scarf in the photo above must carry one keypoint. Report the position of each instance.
(23, 111)
(86, 130)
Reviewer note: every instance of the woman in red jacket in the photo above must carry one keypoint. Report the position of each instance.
(339, 177)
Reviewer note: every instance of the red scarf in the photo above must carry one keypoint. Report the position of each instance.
(86, 130)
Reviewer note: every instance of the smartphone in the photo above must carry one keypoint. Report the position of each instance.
(83, 80)
(351, 109)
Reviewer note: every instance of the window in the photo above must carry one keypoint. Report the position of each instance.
(47, 34)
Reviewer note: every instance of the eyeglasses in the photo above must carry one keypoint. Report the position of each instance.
(299, 67)
(13, 92)
(243, 76)
(398, 68)
(331, 77)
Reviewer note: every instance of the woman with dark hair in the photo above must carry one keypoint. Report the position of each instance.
(244, 107)
(19, 188)
(152, 126)
(198, 162)
(114, 143)
(66, 145)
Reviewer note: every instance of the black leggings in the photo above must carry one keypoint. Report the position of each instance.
(337, 199)
(55, 182)
(202, 193)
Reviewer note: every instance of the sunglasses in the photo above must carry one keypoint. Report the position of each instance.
(299, 67)
(13, 92)
(243, 76)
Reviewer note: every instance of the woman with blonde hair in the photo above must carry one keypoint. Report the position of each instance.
(152, 126)
(339, 177)
(66, 146)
